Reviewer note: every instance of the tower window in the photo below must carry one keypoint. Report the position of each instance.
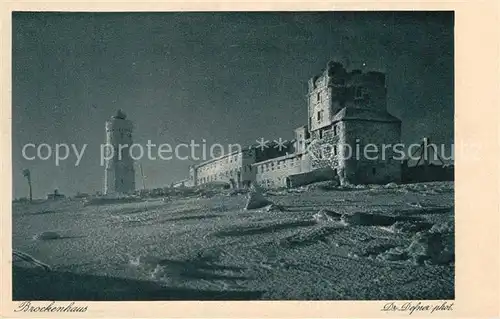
(318, 96)
(320, 115)
(374, 170)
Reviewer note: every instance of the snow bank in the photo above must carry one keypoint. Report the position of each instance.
(297, 190)
(325, 215)
(408, 227)
(367, 219)
(446, 227)
(433, 246)
(429, 188)
(325, 185)
(393, 254)
(391, 185)
(48, 235)
(257, 200)
(237, 191)
(274, 208)
(436, 246)
(110, 200)
(277, 193)
(19, 257)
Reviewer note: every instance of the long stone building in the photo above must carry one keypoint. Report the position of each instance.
(347, 110)
(235, 168)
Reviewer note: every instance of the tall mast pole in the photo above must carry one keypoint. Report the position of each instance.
(143, 179)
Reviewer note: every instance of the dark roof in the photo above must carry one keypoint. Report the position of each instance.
(351, 113)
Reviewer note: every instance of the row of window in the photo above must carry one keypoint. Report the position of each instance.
(233, 158)
(225, 174)
(245, 168)
(220, 163)
(292, 162)
(122, 134)
(334, 131)
(207, 179)
(216, 177)
(359, 92)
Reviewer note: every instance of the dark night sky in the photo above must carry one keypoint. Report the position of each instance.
(222, 77)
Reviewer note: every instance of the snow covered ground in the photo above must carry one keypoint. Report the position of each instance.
(363, 243)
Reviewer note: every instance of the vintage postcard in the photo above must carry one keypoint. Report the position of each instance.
(273, 160)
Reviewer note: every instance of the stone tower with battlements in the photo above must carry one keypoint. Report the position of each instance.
(347, 111)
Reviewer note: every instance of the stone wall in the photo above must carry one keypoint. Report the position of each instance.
(327, 151)
(343, 151)
(378, 165)
(317, 175)
(427, 173)
(274, 172)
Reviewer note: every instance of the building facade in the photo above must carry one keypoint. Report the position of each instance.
(119, 174)
(275, 172)
(347, 115)
(236, 168)
(233, 168)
